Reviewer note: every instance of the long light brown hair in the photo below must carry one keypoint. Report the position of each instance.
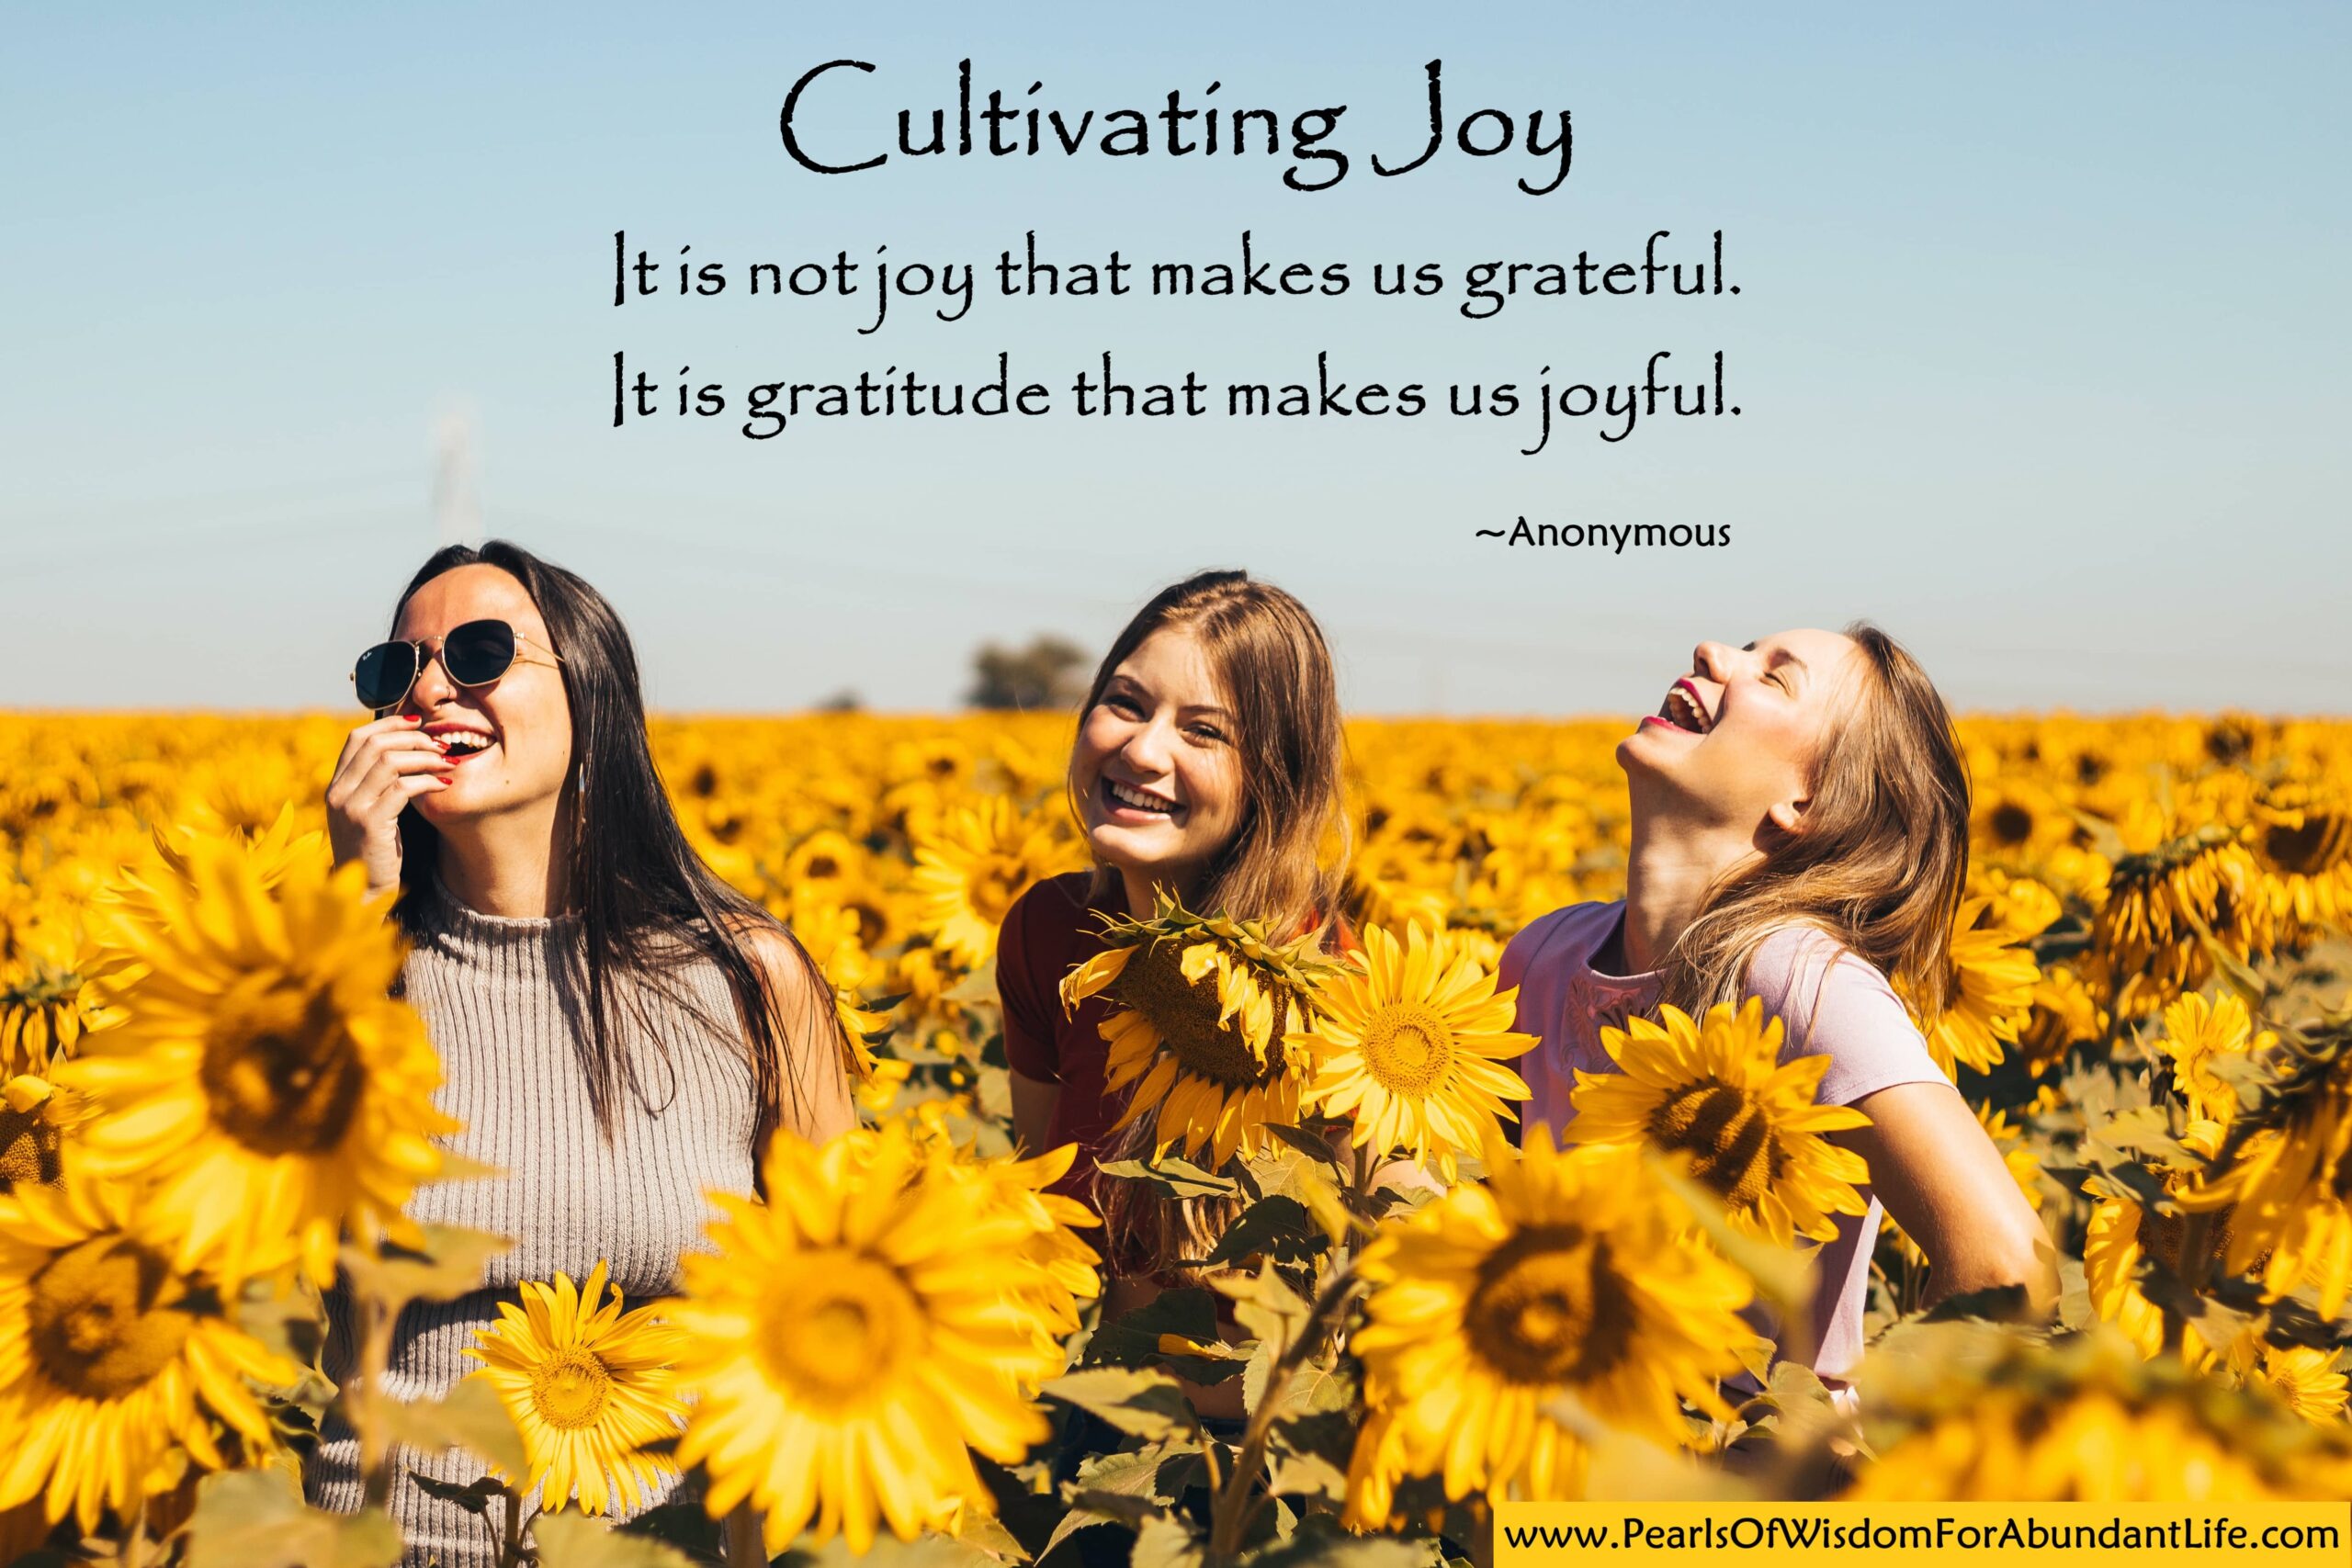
(1270, 659)
(1283, 866)
(1881, 863)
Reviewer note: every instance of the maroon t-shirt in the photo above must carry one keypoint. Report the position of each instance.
(1049, 931)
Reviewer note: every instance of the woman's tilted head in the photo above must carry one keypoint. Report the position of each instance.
(1737, 739)
(1834, 757)
(1209, 752)
(511, 737)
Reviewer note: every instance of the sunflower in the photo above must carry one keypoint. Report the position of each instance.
(2124, 1239)
(2064, 1011)
(1060, 1267)
(1395, 888)
(2016, 817)
(1057, 1268)
(2084, 1421)
(48, 999)
(829, 935)
(1716, 1093)
(112, 1354)
(1411, 1040)
(2285, 1188)
(2196, 1032)
(1990, 995)
(2023, 906)
(879, 1090)
(845, 1345)
(971, 870)
(1567, 1275)
(827, 861)
(264, 1079)
(2301, 838)
(2309, 1380)
(1207, 1011)
(2178, 880)
(35, 1120)
(587, 1386)
(141, 896)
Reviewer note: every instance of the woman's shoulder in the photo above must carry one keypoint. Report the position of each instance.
(1053, 913)
(1832, 1001)
(778, 958)
(1563, 939)
(1798, 958)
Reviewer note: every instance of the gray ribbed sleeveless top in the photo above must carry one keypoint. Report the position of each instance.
(500, 1000)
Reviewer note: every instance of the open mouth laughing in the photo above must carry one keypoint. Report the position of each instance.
(1684, 709)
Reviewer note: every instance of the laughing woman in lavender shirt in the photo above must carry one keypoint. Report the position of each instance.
(1800, 834)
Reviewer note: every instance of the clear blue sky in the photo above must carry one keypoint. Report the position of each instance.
(2040, 346)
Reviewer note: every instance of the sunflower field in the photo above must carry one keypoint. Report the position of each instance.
(210, 1106)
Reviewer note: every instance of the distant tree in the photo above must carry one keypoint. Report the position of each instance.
(1050, 673)
(846, 700)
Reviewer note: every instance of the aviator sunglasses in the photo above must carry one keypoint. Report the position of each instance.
(473, 654)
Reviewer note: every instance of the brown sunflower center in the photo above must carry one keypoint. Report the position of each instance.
(844, 1326)
(99, 1325)
(282, 1072)
(1548, 1307)
(995, 881)
(2012, 824)
(1185, 1014)
(569, 1388)
(28, 1147)
(2323, 839)
(2163, 1237)
(1727, 1136)
(1407, 1049)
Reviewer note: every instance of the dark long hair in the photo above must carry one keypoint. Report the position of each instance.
(646, 903)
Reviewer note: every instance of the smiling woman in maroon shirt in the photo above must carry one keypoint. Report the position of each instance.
(1208, 764)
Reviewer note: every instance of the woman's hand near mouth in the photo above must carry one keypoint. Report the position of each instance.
(385, 764)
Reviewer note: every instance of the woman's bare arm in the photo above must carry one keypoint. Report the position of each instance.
(1033, 1111)
(1938, 1173)
(817, 1103)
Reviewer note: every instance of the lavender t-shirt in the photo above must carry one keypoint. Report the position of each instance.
(1828, 1001)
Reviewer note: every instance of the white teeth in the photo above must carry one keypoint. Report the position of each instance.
(1136, 798)
(463, 740)
(1685, 711)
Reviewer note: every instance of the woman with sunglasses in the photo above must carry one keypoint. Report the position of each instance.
(619, 1030)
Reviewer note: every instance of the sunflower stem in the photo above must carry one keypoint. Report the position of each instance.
(510, 1551)
(2190, 1268)
(1230, 1515)
(366, 1411)
(1482, 1541)
(1208, 1458)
